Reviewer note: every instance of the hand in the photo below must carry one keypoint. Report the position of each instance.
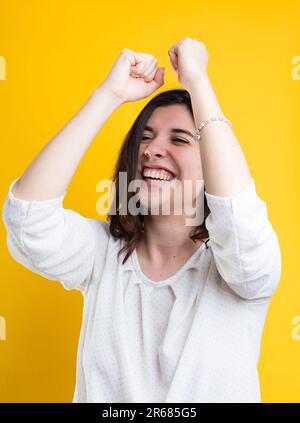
(188, 59)
(134, 76)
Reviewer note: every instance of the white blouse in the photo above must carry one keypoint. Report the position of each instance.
(193, 337)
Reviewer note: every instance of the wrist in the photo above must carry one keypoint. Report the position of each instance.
(104, 91)
(200, 82)
(204, 101)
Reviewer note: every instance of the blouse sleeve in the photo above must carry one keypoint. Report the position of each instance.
(244, 244)
(52, 241)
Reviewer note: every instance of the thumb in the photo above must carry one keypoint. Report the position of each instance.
(159, 76)
(158, 79)
(156, 82)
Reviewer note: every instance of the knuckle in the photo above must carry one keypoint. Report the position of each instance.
(150, 57)
(127, 51)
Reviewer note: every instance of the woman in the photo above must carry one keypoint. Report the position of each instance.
(180, 317)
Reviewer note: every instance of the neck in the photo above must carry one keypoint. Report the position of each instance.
(167, 237)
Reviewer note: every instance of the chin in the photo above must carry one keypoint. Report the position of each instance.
(153, 203)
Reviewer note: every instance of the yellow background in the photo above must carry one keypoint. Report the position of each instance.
(57, 52)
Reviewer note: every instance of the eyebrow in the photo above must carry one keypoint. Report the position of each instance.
(178, 130)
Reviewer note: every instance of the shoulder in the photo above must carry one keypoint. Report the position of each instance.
(103, 239)
(99, 227)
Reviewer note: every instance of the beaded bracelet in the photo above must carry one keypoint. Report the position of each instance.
(212, 119)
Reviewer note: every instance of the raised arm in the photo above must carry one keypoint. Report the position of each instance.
(50, 173)
(42, 235)
(224, 166)
(243, 242)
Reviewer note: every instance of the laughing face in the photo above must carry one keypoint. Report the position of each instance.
(168, 157)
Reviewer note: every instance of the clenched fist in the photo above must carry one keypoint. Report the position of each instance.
(189, 58)
(134, 76)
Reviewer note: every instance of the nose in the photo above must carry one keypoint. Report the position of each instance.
(155, 148)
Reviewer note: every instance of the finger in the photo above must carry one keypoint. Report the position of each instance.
(173, 53)
(136, 59)
(141, 67)
(173, 57)
(133, 58)
(157, 81)
(150, 72)
(129, 55)
(135, 72)
(174, 66)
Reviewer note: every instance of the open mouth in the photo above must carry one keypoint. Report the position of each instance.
(161, 175)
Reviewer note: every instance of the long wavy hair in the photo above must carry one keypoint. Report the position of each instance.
(126, 226)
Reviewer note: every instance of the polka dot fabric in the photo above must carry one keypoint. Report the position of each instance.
(193, 337)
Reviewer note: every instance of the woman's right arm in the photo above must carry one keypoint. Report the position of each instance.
(42, 235)
(51, 171)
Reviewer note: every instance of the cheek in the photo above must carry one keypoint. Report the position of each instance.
(140, 158)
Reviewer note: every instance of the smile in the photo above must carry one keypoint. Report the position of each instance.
(157, 174)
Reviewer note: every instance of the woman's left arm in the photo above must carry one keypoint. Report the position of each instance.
(243, 242)
(224, 166)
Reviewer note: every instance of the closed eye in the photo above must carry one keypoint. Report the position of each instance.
(175, 139)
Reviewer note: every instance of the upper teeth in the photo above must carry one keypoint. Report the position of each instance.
(164, 175)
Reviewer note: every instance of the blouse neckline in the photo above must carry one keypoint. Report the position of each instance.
(167, 281)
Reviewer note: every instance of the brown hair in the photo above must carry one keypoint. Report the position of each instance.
(129, 227)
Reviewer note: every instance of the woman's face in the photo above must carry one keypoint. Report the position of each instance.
(172, 150)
